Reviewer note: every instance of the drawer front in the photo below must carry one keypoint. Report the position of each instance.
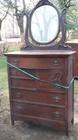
(18, 74)
(45, 122)
(38, 97)
(38, 111)
(19, 83)
(44, 74)
(38, 62)
(40, 73)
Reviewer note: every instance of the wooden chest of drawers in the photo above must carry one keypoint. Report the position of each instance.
(38, 101)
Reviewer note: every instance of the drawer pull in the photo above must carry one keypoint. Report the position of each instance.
(56, 114)
(34, 89)
(55, 61)
(15, 61)
(18, 94)
(56, 98)
(19, 107)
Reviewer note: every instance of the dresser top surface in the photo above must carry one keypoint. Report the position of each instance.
(41, 52)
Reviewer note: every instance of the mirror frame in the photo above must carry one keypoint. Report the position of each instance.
(31, 44)
(45, 43)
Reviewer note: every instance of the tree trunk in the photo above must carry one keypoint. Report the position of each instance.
(20, 24)
(0, 29)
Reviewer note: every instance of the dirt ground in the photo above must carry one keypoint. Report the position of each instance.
(24, 131)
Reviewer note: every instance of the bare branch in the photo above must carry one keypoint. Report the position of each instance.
(3, 4)
(5, 14)
(24, 5)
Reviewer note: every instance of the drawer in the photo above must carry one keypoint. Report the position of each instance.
(38, 63)
(56, 125)
(16, 73)
(38, 111)
(50, 74)
(29, 84)
(40, 73)
(38, 97)
(23, 83)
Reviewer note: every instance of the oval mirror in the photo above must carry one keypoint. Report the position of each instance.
(44, 24)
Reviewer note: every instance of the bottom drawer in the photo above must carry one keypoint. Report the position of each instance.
(40, 121)
(38, 111)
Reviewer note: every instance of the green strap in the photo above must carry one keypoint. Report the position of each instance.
(59, 85)
(27, 73)
(63, 86)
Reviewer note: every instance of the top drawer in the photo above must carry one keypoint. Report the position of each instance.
(35, 62)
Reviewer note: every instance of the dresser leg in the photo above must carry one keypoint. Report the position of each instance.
(67, 133)
(72, 121)
(12, 121)
(67, 129)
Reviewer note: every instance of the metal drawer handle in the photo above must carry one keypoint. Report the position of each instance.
(34, 89)
(18, 94)
(15, 61)
(56, 114)
(56, 98)
(55, 61)
(19, 107)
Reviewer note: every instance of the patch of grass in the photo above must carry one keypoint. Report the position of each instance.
(3, 75)
(76, 87)
(3, 66)
(9, 46)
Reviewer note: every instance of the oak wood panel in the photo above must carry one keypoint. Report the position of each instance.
(57, 125)
(37, 62)
(43, 74)
(39, 97)
(23, 83)
(41, 53)
(38, 111)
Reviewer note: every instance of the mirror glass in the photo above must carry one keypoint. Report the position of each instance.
(44, 24)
